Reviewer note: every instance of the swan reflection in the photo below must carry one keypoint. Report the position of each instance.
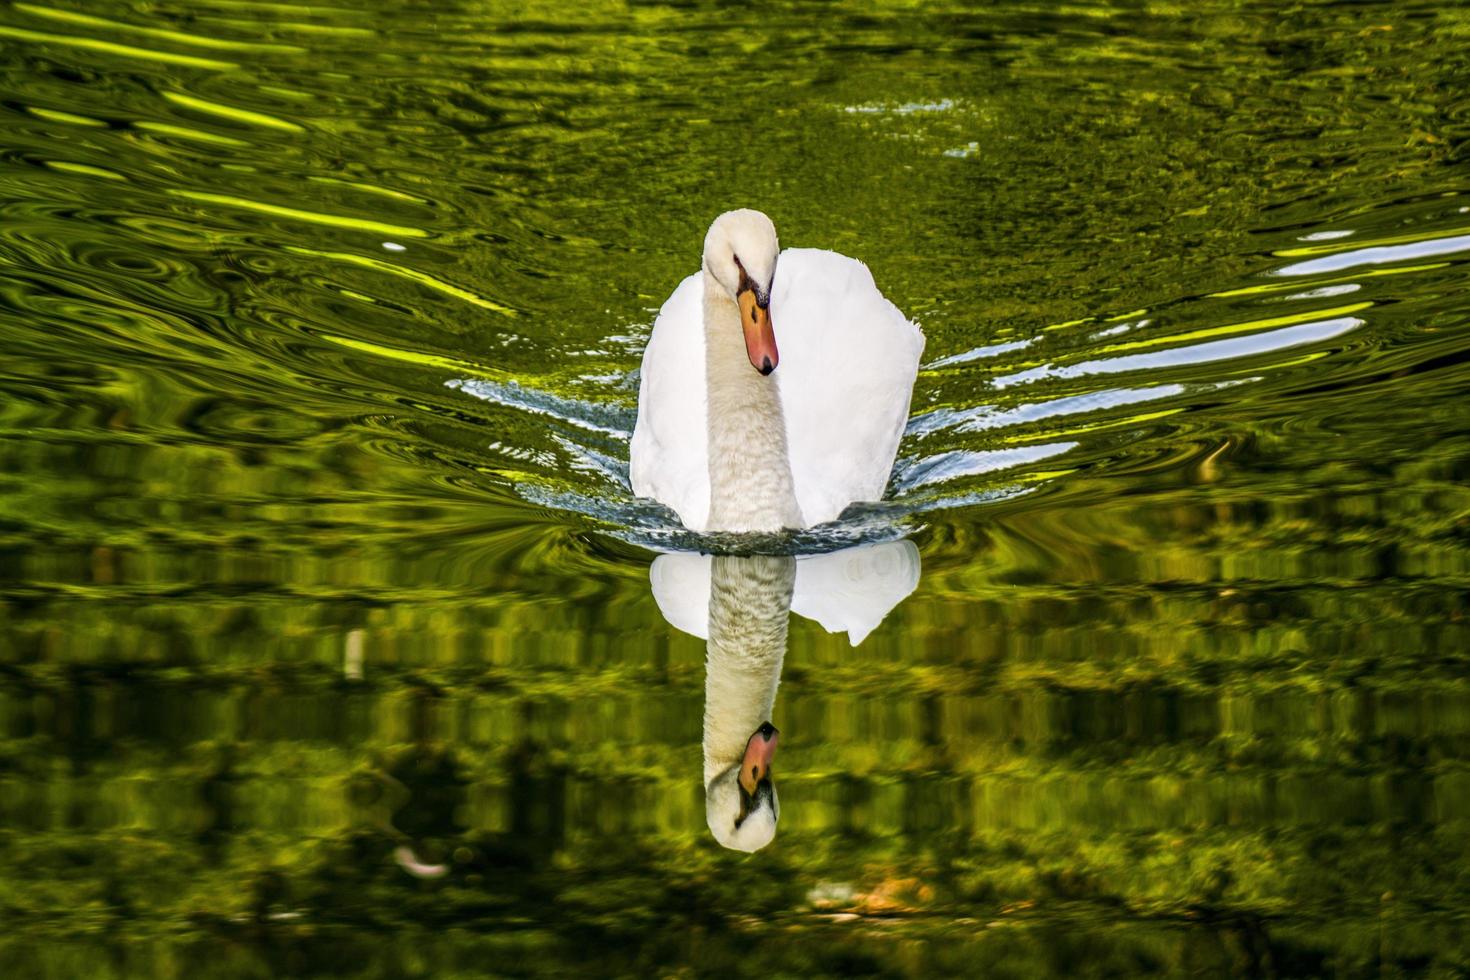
(741, 607)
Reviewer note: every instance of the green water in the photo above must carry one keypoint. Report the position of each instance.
(327, 644)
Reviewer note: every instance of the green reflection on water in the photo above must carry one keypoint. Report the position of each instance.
(327, 643)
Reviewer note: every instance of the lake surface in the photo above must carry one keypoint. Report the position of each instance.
(327, 643)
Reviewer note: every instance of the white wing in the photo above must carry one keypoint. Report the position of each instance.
(668, 455)
(848, 361)
(848, 591)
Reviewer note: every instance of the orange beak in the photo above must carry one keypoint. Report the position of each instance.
(759, 751)
(760, 339)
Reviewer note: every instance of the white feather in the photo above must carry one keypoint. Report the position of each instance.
(848, 361)
(669, 454)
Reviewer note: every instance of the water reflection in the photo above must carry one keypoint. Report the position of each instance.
(749, 606)
(741, 606)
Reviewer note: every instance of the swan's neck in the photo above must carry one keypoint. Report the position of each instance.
(749, 605)
(749, 470)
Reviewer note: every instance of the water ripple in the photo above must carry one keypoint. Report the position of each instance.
(321, 326)
(1377, 255)
(1219, 350)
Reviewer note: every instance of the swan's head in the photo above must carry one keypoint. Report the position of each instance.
(740, 804)
(740, 253)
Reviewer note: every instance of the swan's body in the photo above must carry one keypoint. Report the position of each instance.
(733, 438)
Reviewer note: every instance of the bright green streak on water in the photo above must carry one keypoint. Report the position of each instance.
(276, 601)
(231, 112)
(423, 279)
(72, 17)
(340, 221)
(110, 48)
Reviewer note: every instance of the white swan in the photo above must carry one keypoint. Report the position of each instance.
(775, 386)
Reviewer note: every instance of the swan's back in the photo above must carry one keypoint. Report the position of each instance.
(848, 362)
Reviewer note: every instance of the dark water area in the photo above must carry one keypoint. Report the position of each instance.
(328, 644)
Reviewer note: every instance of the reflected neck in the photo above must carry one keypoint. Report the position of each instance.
(749, 606)
(749, 469)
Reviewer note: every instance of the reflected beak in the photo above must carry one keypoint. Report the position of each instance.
(755, 320)
(755, 767)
